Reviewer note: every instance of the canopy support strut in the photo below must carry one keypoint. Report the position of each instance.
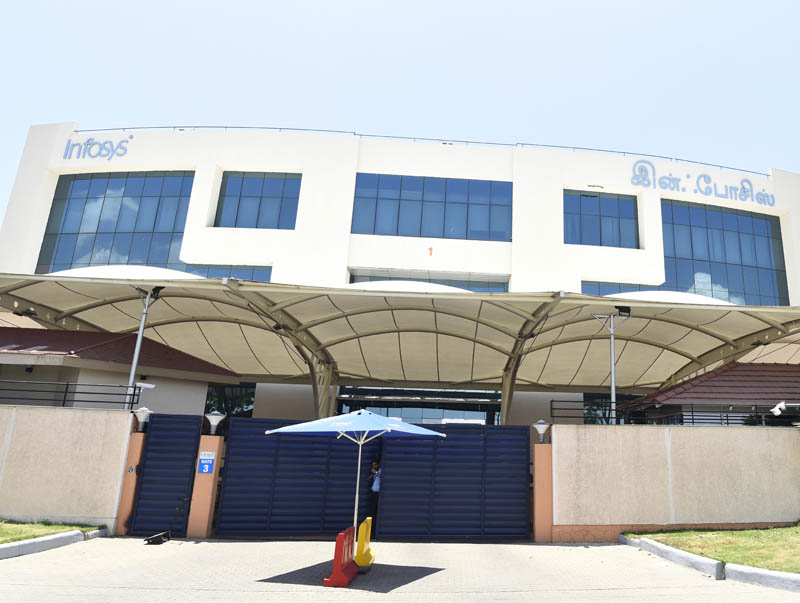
(148, 298)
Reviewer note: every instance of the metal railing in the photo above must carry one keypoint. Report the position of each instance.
(444, 141)
(598, 413)
(58, 393)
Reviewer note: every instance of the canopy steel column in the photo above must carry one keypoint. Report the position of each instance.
(608, 322)
(148, 298)
(323, 381)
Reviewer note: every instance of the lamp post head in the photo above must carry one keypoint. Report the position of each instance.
(142, 415)
(214, 419)
(541, 426)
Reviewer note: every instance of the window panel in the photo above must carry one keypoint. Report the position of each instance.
(98, 186)
(500, 223)
(680, 214)
(683, 241)
(291, 186)
(172, 185)
(165, 218)
(102, 249)
(629, 236)
(72, 217)
(116, 187)
(147, 214)
(478, 222)
(288, 216)
(457, 190)
(671, 279)
(56, 218)
(252, 185)
(714, 218)
(627, 206)
(609, 231)
(433, 220)
(83, 249)
(389, 186)
(180, 214)
(91, 214)
(433, 189)
(685, 275)
(479, 191)
(666, 212)
(247, 216)
(410, 218)
(134, 185)
(697, 216)
(590, 204)
(501, 193)
(270, 211)
(455, 220)
(763, 255)
(79, 187)
(386, 216)
(716, 245)
(729, 221)
(121, 248)
(411, 188)
(47, 251)
(572, 229)
(109, 214)
(702, 276)
(153, 184)
(747, 245)
(65, 249)
(273, 186)
(175, 248)
(127, 214)
(699, 243)
(366, 185)
(572, 202)
(159, 248)
(140, 248)
(669, 239)
(363, 215)
(590, 229)
(609, 205)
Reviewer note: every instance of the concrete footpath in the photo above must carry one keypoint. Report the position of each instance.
(125, 570)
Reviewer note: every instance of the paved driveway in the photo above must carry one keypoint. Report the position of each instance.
(124, 569)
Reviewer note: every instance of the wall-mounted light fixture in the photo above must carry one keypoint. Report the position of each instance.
(541, 426)
(214, 419)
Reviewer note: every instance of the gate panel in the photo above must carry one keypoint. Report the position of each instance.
(281, 484)
(474, 483)
(167, 474)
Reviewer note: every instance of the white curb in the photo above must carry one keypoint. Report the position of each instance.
(762, 577)
(709, 567)
(45, 543)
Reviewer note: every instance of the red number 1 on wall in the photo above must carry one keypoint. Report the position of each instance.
(430, 250)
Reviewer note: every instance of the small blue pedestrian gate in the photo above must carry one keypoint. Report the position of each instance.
(166, 475)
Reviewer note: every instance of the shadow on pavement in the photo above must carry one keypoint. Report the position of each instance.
(382, 578)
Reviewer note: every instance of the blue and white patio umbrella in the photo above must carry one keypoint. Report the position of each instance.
(360, 427)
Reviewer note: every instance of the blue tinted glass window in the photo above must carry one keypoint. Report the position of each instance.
(410, 219)
(133, 218)
(248, 200)
(478, 286)
(433, 189)
(590, 230)
(269, 212)
(386, 217)
(572, 229)
(455, 220)
(501, 193)
(433, 219)
(500, 223)
(603, 219)
(411, 188)
(389, 186)
(432, 207)
(746, 258)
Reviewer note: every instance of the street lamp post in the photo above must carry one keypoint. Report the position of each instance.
(608, 322)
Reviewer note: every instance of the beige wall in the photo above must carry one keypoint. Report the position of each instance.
(274, 401)
(529, 407)
(174, 396)
(613, 475)
(62, 464)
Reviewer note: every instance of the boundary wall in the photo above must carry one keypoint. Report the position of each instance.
(62, 465)
(595, 481)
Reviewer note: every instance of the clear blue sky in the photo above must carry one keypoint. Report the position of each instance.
(704, 80)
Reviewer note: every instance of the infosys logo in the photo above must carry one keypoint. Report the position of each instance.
(96, 148)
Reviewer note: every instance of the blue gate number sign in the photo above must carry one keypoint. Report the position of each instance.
(206, 462)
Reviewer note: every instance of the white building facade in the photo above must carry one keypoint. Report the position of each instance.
(330, 209)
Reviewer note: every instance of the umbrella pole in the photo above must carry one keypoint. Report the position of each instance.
(358, 483)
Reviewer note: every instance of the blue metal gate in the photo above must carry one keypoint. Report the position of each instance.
(473, 484)
(167, 474)
(289, 484)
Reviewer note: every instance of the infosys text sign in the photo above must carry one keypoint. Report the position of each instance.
(94, 149)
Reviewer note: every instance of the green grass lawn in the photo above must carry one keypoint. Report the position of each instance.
(11, 531)
(772, 548)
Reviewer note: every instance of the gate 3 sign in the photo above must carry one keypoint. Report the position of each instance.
(206, 463)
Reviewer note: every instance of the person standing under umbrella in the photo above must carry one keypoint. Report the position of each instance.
(374, 492)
